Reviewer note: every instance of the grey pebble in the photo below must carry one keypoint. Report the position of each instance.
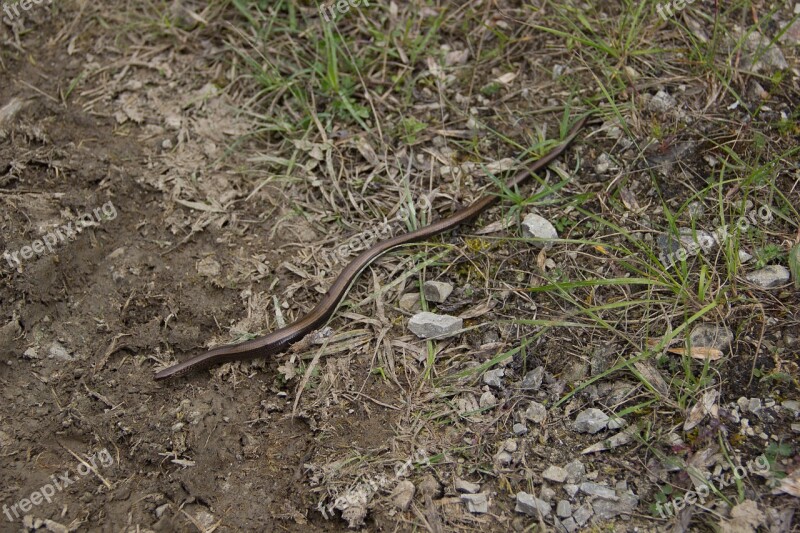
(576, 471)
(57, 351)
(519, 429)
(533, 379)
(606, 509)
(791, 405)
(426, 325)
(476, 503)
(466, 487)
(436, 291)
(569, 524)
(583, 514)
(769, 277)
(536, 413)
(493, 378)
(536, 227)
(530, 505)
(591, 421)
(711, 336)
(596, 489)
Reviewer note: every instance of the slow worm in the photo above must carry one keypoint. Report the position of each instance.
(281, 339)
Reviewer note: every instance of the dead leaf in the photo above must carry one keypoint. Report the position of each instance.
(790, 485)
(653, 377)
(506, 78)
(199, 206)
(707, 405)
(478, 310)
(629, 199)
(367, 151)
(745, 518)
(495, 226)
(698, 352)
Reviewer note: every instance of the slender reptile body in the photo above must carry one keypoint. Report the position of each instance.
(281, 339)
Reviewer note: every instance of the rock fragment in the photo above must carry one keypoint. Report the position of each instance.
(436, 291)
(531, 506)
(606, 509)
(403, 494)
(591, 421)
(430, 487)
(596, 489)
(533, 379)
(536, 413)
(662, 102)
(476, 503)
(519, 429)
(555, 473)
(427, 325)
(493, 378)
(466, 487)
(583, 514)
(563, 509)
(536, 227)
(711, 336)
(569, 524)
(575, 471)
(769, 277)
(487, 400)
(57, 351)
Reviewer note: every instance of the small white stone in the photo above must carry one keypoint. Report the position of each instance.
(571, 489)
(536, 227)
(555, 473)
(57, 351)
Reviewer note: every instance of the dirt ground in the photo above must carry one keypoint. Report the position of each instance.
(145, 127)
